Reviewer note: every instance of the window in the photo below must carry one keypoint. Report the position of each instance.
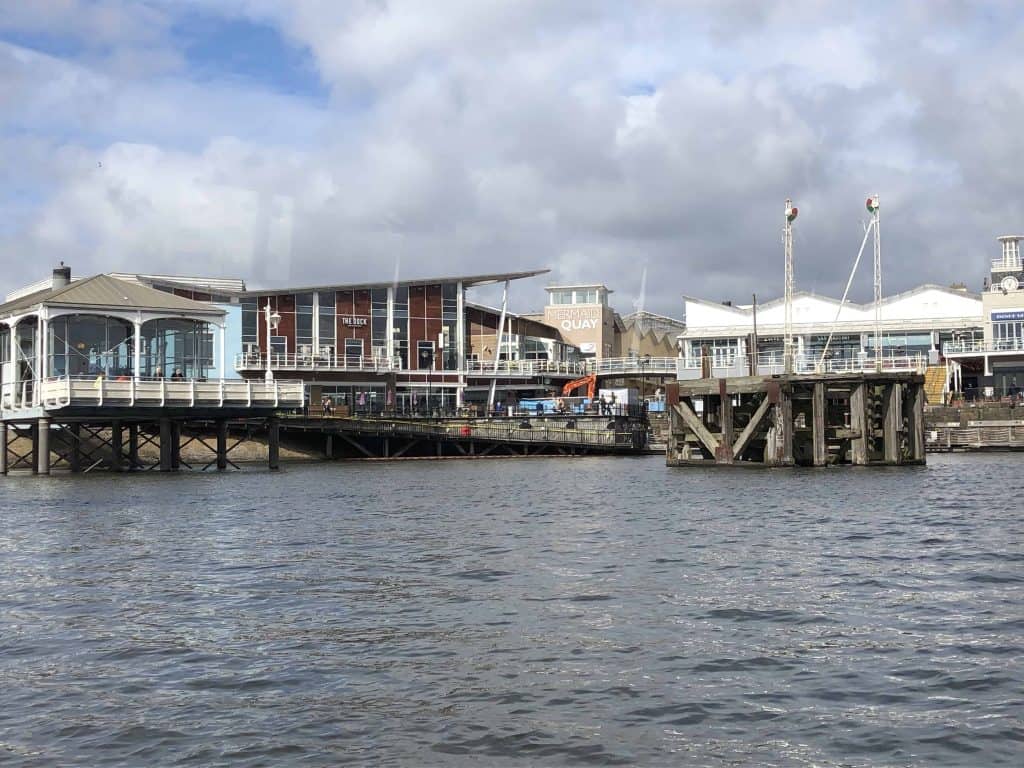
(450, 301)
(425, 355)
(279, 345)
(401, 302)
(1008, 334)
(588, 296)
(304, 321)
(250, 322)
(379, 302)
(561, 297)
(326, 328)
(353, 348)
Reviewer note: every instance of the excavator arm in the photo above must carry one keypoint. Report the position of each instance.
(590, 381)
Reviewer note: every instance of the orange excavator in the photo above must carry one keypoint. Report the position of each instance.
(590, 381)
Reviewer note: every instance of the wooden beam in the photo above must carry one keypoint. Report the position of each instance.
(356, 445)
(697, 427)
(858, 423)
(818, 427)
(748, 432)
(725, 453)
(892, 422)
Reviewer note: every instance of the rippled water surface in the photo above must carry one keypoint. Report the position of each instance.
(595, 611)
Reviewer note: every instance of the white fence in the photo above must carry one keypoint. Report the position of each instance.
(980, 346)
(773, 365)
(84, 392)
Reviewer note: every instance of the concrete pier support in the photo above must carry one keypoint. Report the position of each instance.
(328, 446)
(274, 443)
(175, 445)
(222, 444)
(42, 441)
(3, 448)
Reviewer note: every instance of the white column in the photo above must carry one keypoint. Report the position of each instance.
(137, 362)
(497, 347)
(391, 324)
(15, 368)
(460, 343)
(222, 333)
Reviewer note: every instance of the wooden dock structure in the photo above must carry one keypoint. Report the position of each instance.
(816, 420)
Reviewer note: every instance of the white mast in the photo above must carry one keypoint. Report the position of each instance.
(872, 205)
(787, 242)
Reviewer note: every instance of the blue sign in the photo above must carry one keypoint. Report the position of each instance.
(1017, 314)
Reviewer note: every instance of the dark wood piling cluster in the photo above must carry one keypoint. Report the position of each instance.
(112, 442)
(797, 420)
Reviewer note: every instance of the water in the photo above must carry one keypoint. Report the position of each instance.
(594, 611)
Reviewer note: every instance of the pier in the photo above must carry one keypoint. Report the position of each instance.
(797, 420)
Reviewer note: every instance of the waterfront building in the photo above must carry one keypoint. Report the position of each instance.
(915, 327)
(991, 363)
(103, 327)
(405, 346)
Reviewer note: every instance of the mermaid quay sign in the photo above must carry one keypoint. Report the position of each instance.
(578, 319)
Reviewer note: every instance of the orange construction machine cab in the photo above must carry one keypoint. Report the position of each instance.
(590, 381)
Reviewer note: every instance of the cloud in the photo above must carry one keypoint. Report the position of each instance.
(590, 137)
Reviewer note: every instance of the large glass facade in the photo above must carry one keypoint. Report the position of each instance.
(379, 330)
(90, 345)
(177, 348)
(250, 325)
(326, 323)
(401, 327)
(304, 323)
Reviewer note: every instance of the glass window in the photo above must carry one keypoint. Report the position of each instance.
(353, 348)
(379, 302)
(450, 301)
(326, 324)
(401, 302)
(250, 322)
(561, 297)
(425, 355)
(588, 296)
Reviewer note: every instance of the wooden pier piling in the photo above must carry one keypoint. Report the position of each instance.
(805, 420)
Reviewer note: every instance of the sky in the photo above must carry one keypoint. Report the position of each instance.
(647, 145)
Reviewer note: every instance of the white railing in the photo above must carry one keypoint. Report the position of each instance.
(88, 391)
(1007, 265)
(634, 366)
(980, 346)
(773, 365)
(316, 362)
(524, 368)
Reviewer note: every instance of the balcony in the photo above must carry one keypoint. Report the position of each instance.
(254, 362)
(1007, 265)
(971, 347)
(57, 393)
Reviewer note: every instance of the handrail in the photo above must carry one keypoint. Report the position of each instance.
(970, 346)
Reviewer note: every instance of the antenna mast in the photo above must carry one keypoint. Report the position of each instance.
(787, 243)
(872, 205)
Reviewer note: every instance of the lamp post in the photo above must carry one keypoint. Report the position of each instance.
(273, 320)
(644, 362)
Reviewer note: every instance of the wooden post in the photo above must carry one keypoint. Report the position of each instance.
(387, 447)
(785, 409)
(892, 423)
(858, 423)
(34, 435)
(3, 447)
(116, 447)
(724, 453)
(43, 447)
(166, 437)
(273, 443)
(133, 447)
(329, 446)
(818, 416)
(916, 422)
(222, 444)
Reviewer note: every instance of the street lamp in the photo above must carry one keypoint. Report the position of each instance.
(273, 320)
(644, 362)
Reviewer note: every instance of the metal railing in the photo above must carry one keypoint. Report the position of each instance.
(771, 364)
(1007, 265)
(633, 366)
(525, 368)
(980, 346)
(59, 392)
(317, 362)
